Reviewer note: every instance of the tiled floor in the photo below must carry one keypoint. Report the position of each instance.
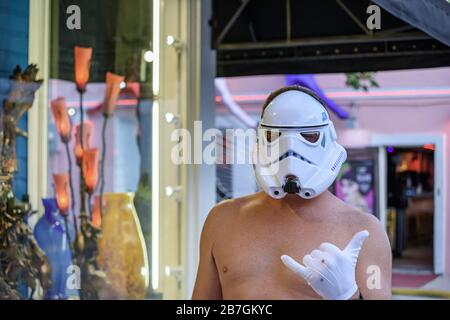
(424, 283)
(417, 257)
(441, 283)
(411, 280)
(415, 270)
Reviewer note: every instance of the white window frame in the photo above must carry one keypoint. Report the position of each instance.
(38, 53)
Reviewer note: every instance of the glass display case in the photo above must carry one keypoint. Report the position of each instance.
(99, 134)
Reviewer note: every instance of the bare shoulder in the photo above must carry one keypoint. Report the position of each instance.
(377, 243)
(375, 258)
(356, 220)
(360, 220)
(226, 211)
(376, 249)
(231, 207)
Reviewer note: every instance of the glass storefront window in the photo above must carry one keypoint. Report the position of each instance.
(111, 235)
(233, 179)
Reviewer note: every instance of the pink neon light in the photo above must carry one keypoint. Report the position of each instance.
(245, 98)
(389, 93)
(352, 94)
(262, 97)
(123, 102)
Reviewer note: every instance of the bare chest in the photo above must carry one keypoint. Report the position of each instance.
(248, 254)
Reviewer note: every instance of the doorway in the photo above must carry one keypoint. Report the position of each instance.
(411, 174)
(410, 197)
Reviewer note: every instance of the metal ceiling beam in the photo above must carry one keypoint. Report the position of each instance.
(332, 57)
(356, 39)
(401, 29)
(353, 17)
(288, 20)
(232, 21)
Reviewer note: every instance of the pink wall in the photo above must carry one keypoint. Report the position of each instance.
(403, 113)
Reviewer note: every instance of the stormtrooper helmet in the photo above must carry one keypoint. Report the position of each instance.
(296, 151)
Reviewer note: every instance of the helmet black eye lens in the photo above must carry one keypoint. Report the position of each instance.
(312, 137)
(272, 135)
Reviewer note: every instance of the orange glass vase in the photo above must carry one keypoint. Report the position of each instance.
(90, 168)
(82, 64)
(59, 111)
(113, 82)
(122, 252)
(62, 192)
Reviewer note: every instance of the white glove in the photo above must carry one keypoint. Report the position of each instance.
(330, 271)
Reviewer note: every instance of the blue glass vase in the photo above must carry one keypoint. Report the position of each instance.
(50, 234)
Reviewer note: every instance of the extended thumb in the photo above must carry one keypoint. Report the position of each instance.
(355, 244)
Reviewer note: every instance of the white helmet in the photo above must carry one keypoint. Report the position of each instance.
(296, 151)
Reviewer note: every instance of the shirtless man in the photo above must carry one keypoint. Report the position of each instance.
(294, 240)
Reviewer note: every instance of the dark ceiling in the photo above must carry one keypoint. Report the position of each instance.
(315, 36)
(117, 30)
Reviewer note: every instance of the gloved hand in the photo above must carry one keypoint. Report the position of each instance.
(330, 271)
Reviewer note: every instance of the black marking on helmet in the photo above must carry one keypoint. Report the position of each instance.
(291, 153)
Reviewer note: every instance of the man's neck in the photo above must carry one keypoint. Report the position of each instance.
(305, 207)
(296, 201)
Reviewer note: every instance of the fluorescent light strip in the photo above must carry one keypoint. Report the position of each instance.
(156, 16)
(155, 147)
(155, 195)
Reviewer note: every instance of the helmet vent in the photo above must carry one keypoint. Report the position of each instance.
(338, 161)
(323, 142)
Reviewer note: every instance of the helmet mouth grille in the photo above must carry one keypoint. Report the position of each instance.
(291, 185)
